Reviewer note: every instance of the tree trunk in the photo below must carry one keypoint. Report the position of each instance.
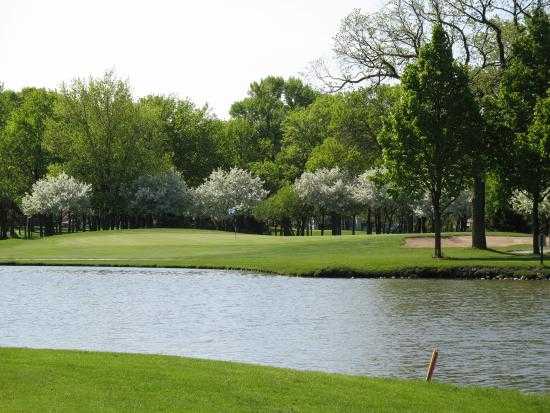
(479, 240)
(334, 224)
(536, 225)
(437, 226)
(377, 222)
(369, 222)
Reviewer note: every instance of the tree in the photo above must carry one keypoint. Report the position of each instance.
(195, 142)
(429, 134)
(303, 130)
(266, 107)
(102, 137)
(24, 135)
(283, 207)
(239, 143)
(227, 193)
(58, 197)
(332, 153)
(22, 155)
(525, 108)
(161, 195)
(375, 194)
(10, 182)
(522, 203)
(336, 130)
(327, 191)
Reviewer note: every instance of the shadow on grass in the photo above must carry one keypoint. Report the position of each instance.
(511, 260)
(507, 256)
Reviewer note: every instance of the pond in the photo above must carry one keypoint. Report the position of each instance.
(492, 333)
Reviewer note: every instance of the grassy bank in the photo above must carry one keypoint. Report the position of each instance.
(369, 254)
(44, 380)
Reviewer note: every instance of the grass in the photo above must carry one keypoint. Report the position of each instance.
(214, 249)
(54, 380)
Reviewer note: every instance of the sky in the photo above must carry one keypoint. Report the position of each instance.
(208, 51)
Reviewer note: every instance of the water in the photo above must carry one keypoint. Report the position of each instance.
(493, 333)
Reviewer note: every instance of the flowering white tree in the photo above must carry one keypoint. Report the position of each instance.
(161, 195)
(228, 193)
(522, 203)
(363, 190)
(56, 195)
(327, 191)
(371, 190)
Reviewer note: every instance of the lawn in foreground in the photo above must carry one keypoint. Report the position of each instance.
(44, 380)
(216, 249)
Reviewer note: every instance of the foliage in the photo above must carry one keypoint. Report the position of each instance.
(194, 142)
(282, 207)
(370, 189)
(523, 204)
(161, 195)
(226, 193)
(430, 133)
(22, 143)
(266, 107)
(56, 196)
(525, 110)
(332, 153)
(326, 190)
(102, 138)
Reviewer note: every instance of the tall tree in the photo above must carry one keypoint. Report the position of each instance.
(24, 135)
(525, 103)
(266, 107)
(11, 183)
(430, 132)
(103, 139)
(195, 142)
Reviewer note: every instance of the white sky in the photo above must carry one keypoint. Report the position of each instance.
(207, 50)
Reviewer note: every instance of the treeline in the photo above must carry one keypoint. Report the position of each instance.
(462, 139)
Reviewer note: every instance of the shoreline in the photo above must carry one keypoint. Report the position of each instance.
(444, 273)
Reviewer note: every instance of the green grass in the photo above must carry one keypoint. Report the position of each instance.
(214, 249)
(54, 380)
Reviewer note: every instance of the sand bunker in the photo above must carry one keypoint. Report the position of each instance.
(465, 241)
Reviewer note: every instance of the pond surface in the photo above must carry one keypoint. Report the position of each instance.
(493, 333)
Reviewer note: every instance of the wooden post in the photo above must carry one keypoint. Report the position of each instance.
(431, 366)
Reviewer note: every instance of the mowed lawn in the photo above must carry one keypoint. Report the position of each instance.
(216, 249)
(53, 380)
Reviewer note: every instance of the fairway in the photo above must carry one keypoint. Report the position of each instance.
(275, 254)
(43, 380)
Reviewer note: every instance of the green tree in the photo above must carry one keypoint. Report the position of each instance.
(10, 182)
(303, 130)
(239, 143)
(102, 138)
(195, 142)
(428, 137)
(524, 102)
(332, 153)
(352, 120)
(24, 134)
(266, 107)
(282, 208)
